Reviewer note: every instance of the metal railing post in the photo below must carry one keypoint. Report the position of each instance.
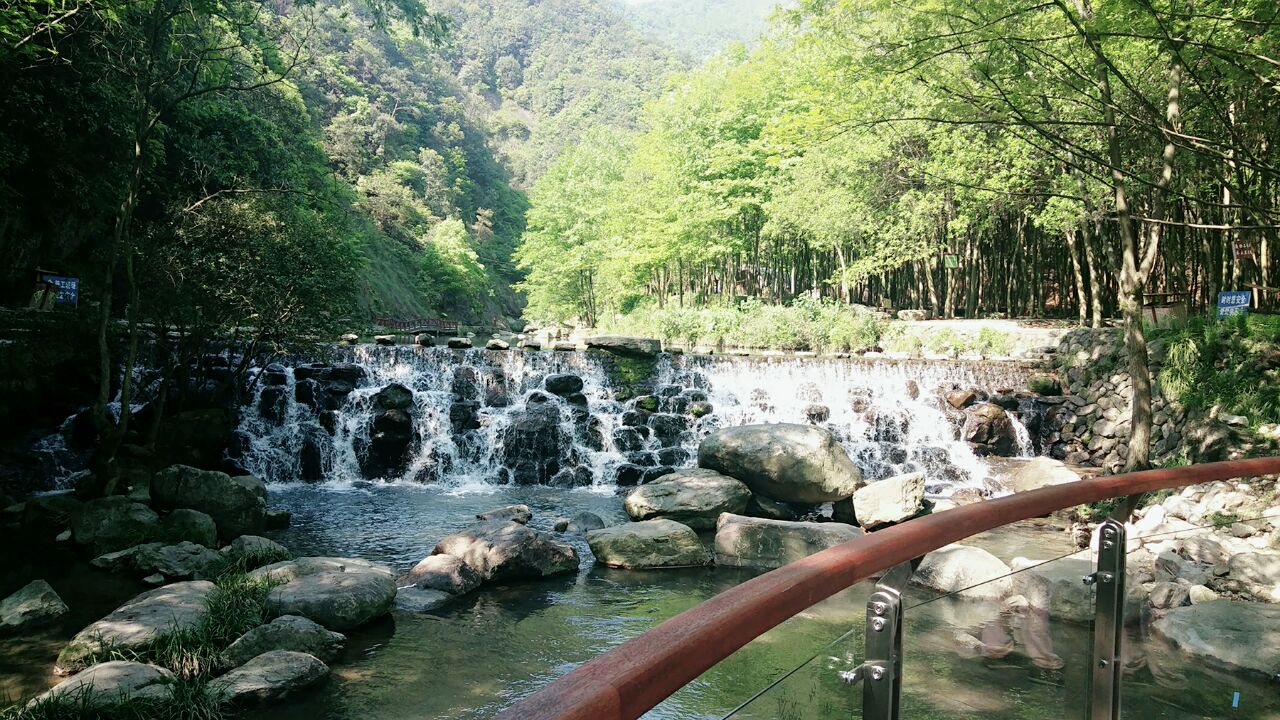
(881, 670)
(1108, 622)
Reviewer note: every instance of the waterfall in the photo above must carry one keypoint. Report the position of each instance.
(482, 418)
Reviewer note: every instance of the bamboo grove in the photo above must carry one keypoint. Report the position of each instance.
(969, 157)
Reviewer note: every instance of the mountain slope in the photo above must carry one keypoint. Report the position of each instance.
(437, 142)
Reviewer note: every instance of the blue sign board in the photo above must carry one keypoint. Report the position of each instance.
(1234, 303)
(68, 288)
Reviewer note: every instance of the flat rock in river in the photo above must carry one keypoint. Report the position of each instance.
(33, 605)
(504, 550)
(270, 676)
(179, 606)
(114, 681)
(338, 593)
(783, 461)
(1235, 636)
(695, 497)
(287, 632)
(648, 544)
(762, 543)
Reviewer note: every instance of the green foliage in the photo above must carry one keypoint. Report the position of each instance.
(804, 325)
(1231, 365)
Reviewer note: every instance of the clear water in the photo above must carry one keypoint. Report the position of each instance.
(472, 658)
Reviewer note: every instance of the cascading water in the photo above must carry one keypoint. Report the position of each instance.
(479, 418)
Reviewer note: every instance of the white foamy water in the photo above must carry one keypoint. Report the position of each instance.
(886, 413)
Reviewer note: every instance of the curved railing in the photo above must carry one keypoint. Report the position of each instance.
(629, 680)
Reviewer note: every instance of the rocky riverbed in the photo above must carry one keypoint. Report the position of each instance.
(763, 496)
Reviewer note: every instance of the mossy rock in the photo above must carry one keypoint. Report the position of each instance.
(1044, 385)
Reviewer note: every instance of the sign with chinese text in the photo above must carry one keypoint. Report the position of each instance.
(1234, 303)
(68, 288)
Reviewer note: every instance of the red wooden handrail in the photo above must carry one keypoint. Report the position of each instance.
(627, 681)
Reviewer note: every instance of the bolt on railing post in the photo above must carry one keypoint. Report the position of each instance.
(1108, 622)
(882, 675)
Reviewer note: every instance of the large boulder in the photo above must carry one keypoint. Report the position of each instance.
(563, 384)
(989, 430)
(969, 572)
(287, 632)
(504, 550)
(762, 543)
(180, 606)
(189, 525)
(890, 500)
(270, 676)
(238, 505)
(394, 397)
(1257, 573)
(787, 462)
(114, 682)
(251, 552)
(386, 452)
(33, 605)
(113, 523)
(534, 442)
(180, 561)
(648, 544)
(1233, 636)
(626, 346)
(48, 515)
(338, 593)
(694, 497)
(445, 573)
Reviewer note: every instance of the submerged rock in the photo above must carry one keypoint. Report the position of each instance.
(888, 501)
(412, 599)
(114, 681)
(514, 513)
(339, 593)
(762, 543)
(33, 605)
(270, 676)
(238, 505)
(444, 573)
(648, 544)
(694, 497)
(1234, 636)
(584, 522)
(786, 462)
(969, 572)
(504, 550)
(180, 606)
(287, 632)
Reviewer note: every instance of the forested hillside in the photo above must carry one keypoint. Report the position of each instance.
(395, 139)
(700, 28)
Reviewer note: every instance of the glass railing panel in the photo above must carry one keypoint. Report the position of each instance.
(1200, 641)
(994, 640)
(812, 688)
